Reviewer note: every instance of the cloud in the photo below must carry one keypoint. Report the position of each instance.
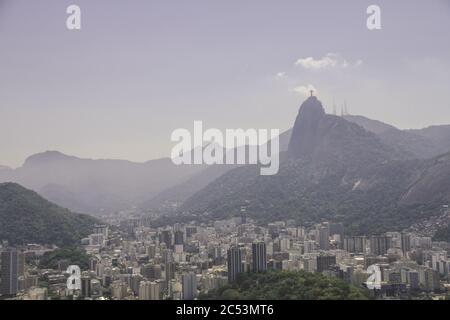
(305, 90)
(280, 75)
(331, 60)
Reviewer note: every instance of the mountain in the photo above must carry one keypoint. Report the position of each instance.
(370, 125)
(432, 183)
(318, 148)
(416, 144)
(333, 170)
(439, 135)
(96, 186)
(26, 217)
(5, 173)
(173, 197)
(329, 140)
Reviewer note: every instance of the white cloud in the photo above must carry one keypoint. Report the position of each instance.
(305, 90)
(331, 60)
(280, 75)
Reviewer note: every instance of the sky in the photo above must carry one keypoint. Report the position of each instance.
(139, 69)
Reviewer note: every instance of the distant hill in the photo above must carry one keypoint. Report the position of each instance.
(26, 217)
(416, 143)
(440, 135)
(171, 198)
(96, 186)
(5, 173)
(370, 125)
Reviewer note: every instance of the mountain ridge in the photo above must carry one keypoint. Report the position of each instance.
(96, 186)
(107, 185)
(26, 217)
(346, 175)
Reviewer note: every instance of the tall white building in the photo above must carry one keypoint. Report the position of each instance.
(149, 290)
(189, 281)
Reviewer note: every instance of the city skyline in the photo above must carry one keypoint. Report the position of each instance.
(195, 261)
(245, 151)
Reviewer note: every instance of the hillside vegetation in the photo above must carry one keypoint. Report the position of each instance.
(26, 217)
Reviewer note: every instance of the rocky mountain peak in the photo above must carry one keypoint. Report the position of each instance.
(304, 136)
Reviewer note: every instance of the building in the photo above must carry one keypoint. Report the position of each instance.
(135, 282)
(144, 290)
(325, 261)
(36, 294)
(119, 290)
(179, 237)
(189, 283)
(394, 277)
(405, 243)
(149, 290)
(337, 229)
(413, 280)
(101, 229)
(96, 239)
(86, 286)
(166, 237)
(190, 231)
(169, 270)
(151, 271)
(355, 244)
(28, 282)
(155, 290)
(429, 279)
(309, 263)
(422, 242)
(234, 263)
(324, 237)
(12, 267)
(379, 245)
(285, 244)
(259, 256)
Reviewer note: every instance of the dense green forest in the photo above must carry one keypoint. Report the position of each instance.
(26, 217)
(442, 234)
(292, 195)
(283, 285)
(73, 256)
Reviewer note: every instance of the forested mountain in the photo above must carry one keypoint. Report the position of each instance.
(363, 172)
(26, 217)
(334, 170)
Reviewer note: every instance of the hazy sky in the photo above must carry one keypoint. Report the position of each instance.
(140, 69)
